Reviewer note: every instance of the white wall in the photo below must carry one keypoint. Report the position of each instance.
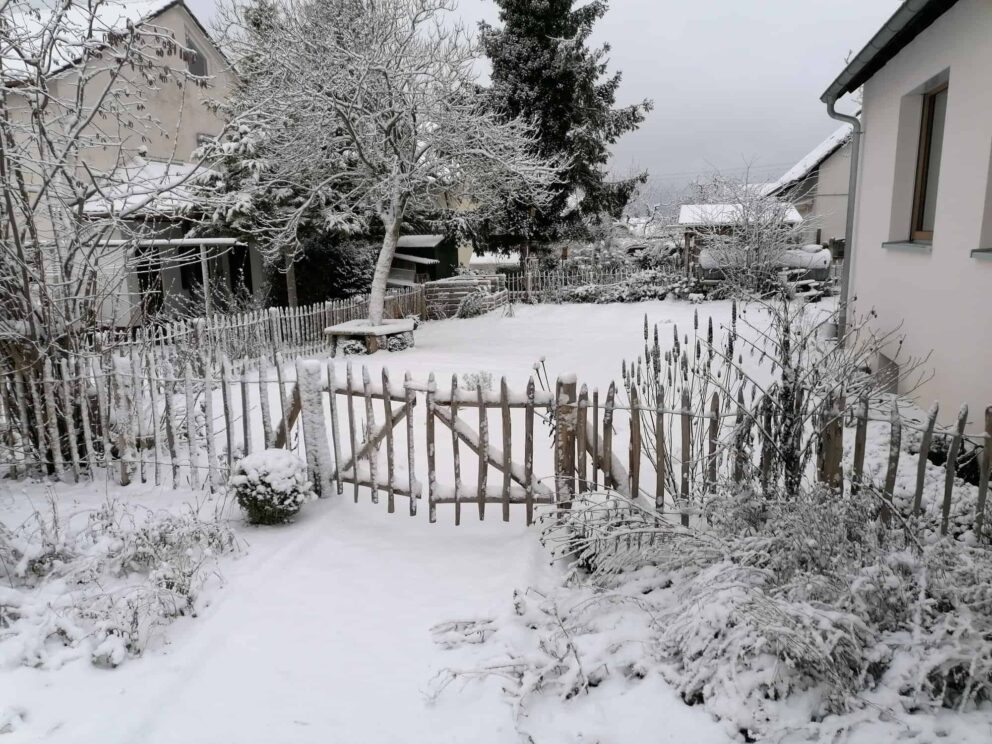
(942, 297)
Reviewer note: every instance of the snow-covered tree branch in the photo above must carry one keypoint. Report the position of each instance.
(364, 113)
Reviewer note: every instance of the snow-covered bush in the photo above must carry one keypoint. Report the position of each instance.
(399, 341)
(96, 584)
(271, 486)
(650, 284)
(473, 305)
(481, 380)
(779, 615)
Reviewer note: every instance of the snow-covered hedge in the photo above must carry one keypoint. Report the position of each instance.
(271, 485)
(649, 284)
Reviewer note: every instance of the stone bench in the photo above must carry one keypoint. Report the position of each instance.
(392, 335)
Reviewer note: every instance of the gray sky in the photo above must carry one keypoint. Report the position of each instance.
(733, 81)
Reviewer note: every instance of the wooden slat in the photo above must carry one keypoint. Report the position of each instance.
(860, 440)
(52, 419)
(245, 410)
(529, 451)
(150, 376)
(454, 450)
(138, 406)
(921, 465)
(170, 431)
(209, 428)
(68, 403)
(194, 476)
(411, 399)
(608, 435)
(352, 436)
(264, 404)
(225, 395)
(661, 458)
(895, 443)
(581, 431)
(686, 458)
(371, 452)
(507, 445)
(431, 456)
(22, 414)
(390, 464)
(985, 465)
(335, 429)
(595, 439)
(952, 467)
(483, 480)
(84, 415)
(634, 450)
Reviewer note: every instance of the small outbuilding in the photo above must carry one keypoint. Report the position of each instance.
(421, 258)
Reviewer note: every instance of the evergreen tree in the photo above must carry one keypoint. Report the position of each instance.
(544, 70)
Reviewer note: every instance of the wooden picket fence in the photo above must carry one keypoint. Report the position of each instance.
(291, 330)
(183, 421)
(547, 286)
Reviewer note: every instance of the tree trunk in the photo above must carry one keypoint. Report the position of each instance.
(377, 295)
(290, 265)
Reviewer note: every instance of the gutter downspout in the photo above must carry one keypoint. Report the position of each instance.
(852, 193)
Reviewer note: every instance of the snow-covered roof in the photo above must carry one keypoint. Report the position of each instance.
(147, 187)
(811, 161)
(697, 215)
(27, 20)
(420, 241)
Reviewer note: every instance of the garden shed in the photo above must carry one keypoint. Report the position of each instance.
(421, 258)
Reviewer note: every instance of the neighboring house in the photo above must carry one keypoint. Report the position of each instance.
(817, 187)
(922, 240)
(172, 121)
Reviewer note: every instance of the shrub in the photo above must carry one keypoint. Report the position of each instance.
(271, 486)
(473, 305)
(96, 584)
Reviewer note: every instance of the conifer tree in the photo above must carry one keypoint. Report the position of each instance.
(544, 70)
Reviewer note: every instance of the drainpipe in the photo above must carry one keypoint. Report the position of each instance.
(852, 193)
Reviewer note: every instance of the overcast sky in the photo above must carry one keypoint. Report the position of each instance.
(733, 81)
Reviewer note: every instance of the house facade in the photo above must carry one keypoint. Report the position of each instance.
(150, 148)
(922, 238)
(817, 187)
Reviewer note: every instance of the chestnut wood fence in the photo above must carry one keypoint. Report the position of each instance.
(181, 418)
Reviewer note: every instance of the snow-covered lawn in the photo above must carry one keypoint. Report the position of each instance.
(320, 631)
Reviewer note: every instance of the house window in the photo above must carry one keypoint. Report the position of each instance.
(928, 163)
(196, 61)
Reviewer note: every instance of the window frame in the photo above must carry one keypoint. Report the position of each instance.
(923, 164)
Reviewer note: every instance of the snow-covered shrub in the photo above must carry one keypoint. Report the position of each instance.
(399, 341)
(780, 614)
(271, 486)
(350, 347)
(473, 305)
(95, 585)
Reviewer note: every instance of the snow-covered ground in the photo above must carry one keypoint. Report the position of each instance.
(320, 631)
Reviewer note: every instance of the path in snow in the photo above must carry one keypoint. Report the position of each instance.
(321, 633)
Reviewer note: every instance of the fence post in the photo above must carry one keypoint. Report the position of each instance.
(565, 410)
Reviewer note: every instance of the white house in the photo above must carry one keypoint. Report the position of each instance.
(817, 186)
(922, 226)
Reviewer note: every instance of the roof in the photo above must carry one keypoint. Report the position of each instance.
(108, 15)
(420, 241)
(415, 259)
(801, 170)
(145, 187)
(909, 21)
(699, 215)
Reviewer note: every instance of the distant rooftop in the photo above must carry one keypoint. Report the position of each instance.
(420, 241)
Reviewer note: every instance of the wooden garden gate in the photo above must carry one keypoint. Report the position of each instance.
(348, 425)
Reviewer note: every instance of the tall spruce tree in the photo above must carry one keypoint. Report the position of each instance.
(544, 70)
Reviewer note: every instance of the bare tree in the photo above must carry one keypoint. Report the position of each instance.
(368, 111)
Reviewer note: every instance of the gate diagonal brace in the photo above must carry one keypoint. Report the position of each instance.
(494, 456)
